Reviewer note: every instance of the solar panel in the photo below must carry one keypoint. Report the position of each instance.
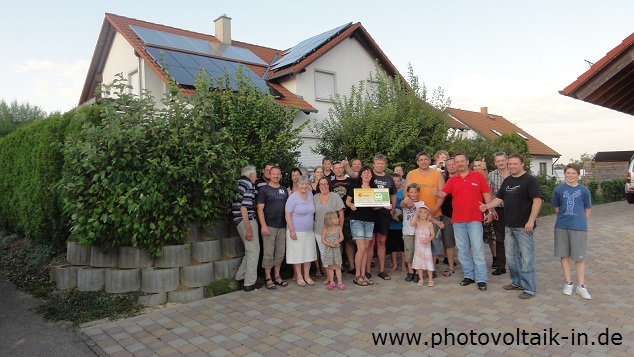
(305, 47)
(167, 39)
(184, 67)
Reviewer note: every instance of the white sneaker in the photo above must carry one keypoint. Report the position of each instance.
(581, 290)
(568, 289)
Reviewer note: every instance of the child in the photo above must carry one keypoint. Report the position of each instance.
(394, 243)
(412, 191)
(573, 206)
(424, 229)
(331, 237)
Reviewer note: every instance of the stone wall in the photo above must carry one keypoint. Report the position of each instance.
(179, 275)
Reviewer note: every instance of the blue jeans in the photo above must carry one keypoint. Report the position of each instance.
(435, 243)
(520, 257)
(469, 234)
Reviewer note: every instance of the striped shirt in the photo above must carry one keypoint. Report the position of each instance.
(495, 182)
(245, 197)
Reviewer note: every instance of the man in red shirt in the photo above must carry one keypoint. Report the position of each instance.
(467, 189)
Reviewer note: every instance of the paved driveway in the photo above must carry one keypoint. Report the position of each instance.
(312, 321)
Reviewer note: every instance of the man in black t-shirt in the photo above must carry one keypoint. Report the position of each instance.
(522, 197)
(340, 185)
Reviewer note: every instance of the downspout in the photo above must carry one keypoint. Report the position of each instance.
(552, 167)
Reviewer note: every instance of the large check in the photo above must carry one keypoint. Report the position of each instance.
(371, 197)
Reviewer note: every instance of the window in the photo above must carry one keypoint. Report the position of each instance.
(542, 168)
(522, 136)
(324, 86)
(496, 132)
(133, 81)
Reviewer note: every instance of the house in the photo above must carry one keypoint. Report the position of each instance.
(607, 165)
(304, 76)
(470, 124)
(610, 81)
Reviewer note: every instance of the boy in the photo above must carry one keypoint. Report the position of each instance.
(394, 242)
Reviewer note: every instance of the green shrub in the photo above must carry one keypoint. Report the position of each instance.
(80, 307)
(593, 187)
(221, 287)
(613, 190)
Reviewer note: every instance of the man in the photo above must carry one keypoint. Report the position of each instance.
(243, 210)
(352, 169)
(382, 216)
(265, 178)
(522, 198)
(340, 186)
(495, 182)
(488, 234)
(326, 164)
(271, 203)
(467, 189)
(440, 158)
(448, 237)
(428, 179)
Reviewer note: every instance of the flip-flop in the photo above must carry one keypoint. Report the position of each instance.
(448, 272)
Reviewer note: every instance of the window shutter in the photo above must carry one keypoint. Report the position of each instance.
(324, 85)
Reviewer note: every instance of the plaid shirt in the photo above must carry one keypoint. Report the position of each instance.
(495, 182)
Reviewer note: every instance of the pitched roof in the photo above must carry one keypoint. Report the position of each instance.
(485, 123)
(120, 24)
(612, 156)
(610, 81)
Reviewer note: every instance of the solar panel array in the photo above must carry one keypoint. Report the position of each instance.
(166, 39)
(183, 67)
(304, 48)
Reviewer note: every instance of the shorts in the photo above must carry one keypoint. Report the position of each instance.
(435, 242)
(273, 247)
(394, 242)
(488, 233)
(448, 239)
(361, 229)
(408, 242)
(571, 243)
(382, 221)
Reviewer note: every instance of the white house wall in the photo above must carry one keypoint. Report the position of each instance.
(350, 63)
(121, 59)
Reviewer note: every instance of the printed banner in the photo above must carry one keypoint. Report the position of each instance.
(371, 197)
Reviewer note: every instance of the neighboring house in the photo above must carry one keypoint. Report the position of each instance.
(607, 165)
(492, 126)
(610, 81)
(304, 76)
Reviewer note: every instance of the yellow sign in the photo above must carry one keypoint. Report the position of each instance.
(371, 197)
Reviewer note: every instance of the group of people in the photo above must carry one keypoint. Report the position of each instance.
(318, 221)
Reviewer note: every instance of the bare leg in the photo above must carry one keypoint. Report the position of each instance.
(267, 273)
(306, 267)
(403, 264)
(331, 278)
(565, 267)
(369, 252)
(580, 267)
(297, 268)
(394, 261)
(360, 257)
(337, 270)
(380, 250)
(350, 254)
(450, 253)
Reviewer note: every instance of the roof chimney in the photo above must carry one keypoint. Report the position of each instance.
(223, 29)
(484, 111)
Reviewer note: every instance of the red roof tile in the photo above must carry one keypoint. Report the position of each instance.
(484, 123)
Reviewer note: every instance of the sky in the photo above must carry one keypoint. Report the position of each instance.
(510, 56)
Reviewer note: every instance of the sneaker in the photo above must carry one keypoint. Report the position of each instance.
(482, 286)
(583, 291)
(512, 287)
(494, 263)
(568, 289)
(416, 279)
(420, 283)
(409, 277)
(499, 271)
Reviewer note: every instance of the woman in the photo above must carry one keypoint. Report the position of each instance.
(318, 172)
(361, 225)
(300, 238)
(325, 201)
(295, 174)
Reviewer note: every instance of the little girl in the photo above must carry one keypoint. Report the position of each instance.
(422, 252)
(331, 237)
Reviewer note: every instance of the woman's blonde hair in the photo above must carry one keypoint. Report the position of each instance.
(328, 219)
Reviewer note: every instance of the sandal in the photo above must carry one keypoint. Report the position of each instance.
(383, 275)
(359, 281)
(301, 282)
(342, 286)
(430, 284)
(270, 284)
(369, 281)
(368, 275)
(279, 281)
(310, 282)
(331, 286)
(448, 272)
(319, 274)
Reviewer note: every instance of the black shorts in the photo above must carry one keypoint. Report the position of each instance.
(382, 221)
(347, 234)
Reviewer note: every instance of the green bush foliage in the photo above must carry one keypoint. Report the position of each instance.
(30, 165)
(139, 174)
(482, 147)
(612, 190)
(593, 187)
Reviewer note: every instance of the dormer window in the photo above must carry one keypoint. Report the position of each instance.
(496, 132)
(522, 136)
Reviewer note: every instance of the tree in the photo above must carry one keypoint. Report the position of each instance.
(582, 159)
(15, 115)
(482, 147)
(384, 115)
